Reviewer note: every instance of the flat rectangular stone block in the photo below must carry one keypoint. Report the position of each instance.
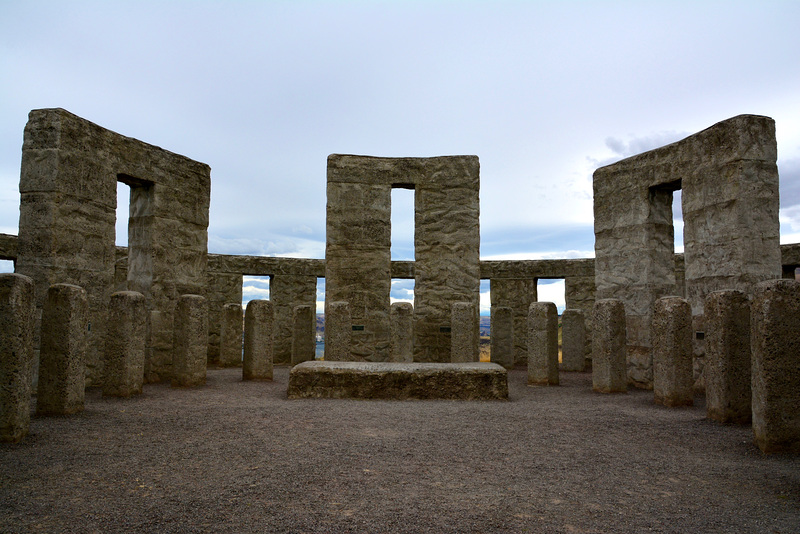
(398, 381)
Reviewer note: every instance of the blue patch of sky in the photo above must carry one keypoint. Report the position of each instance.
(123, 208)
(6, 266)
(254, 288)
(510, 240)
(552, 290)
(402, 290)
(402, 224)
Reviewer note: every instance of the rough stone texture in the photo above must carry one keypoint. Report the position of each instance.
(447, 246)
(191, 342)
(502, 337)
(573, 340)
(303, 334)
(230, 341)
(68, 189)
(402, 326)
(8, 247)
(727, 371)
(465, 335)
(775, 342)
(579, 293)
(608, 347)
(542, 344)
(288, 291)
(729, 182)
(259, 344)
(516, 294)
(222, 289)
(398, 381)
(62, 368)
(338, 332)
(17, 311)
(125, 344)
(673, 378)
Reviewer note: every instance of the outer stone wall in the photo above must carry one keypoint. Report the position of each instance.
(68, 187)
(402, 326)
(729, 182)
(447, 246)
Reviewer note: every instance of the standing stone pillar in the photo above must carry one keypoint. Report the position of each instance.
(259, 344)
(775, 342)
(465, 334)
(542, 344)
(502, 326)
(303, 334)
(338, 332)
(573, 340)
(126, 337)
(62, 357)
(727, 370)
(608, 347)
(17, 312)
(673, 372)
(190, 360)
(230, 336)
(402, 325)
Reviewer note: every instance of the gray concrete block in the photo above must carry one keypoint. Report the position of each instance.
(542, 344)
(608, 347)
(259, 340)
(17, 309)
(190, 360)
(125, 344)
(673, 377)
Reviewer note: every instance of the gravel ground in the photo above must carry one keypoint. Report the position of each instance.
(237, 456)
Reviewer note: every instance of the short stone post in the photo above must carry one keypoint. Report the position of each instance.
(573, 340)
(775, 342)
(464, 333)
(230, 336)
(727, 370)
(542, 344)
(338, 332)
(673, 357)
(125, 344)
(17, 312)
(402, 329)
(259, 343)
(502, 326)
(190, 342)
(609, 360)
(303, 334)
(62, 355)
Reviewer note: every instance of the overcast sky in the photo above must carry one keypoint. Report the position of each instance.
(263, 92)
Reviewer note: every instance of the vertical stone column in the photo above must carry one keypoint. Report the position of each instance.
(727, 370)
(573, 340)
(338, 332)
(502, 326)
(190, 341)
(285, 292)
(125, 344)
(673, 373)
(775, 342)
(517, 294)
(221, 288)
(259, 324)
(62, 367)
(402, 324)
(542, 344)
(303, 338)
(579, 293)
(465, 335)
(230, 338)
(608, 347)
(17, 310)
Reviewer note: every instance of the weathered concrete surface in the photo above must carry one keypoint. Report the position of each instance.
(542, 344)
(259, 344)
(447, 242)
(398, 381)
(62, 368)
(68, 188)
(222, 289)
(230, 339)
(516, 294)
(502, 337)
(573, 340)
(402, 327)
(465, 334)
(338, 332)
(303, 334)
(8, 247)
(729, 182)
(191, 342)
(126, 339)
(727, 370)
(287, 291)
(775, 342)
(608, 347)
(672, 352)
(17, 311)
